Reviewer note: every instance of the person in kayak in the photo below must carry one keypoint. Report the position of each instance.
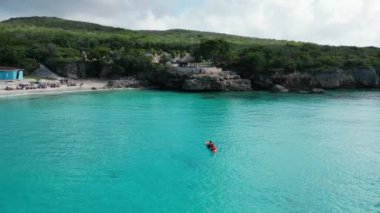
(210, 145)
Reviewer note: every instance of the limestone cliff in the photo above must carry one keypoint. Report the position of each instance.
(205, 79)
(299, 81)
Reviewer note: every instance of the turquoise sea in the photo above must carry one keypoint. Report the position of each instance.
(143, 151)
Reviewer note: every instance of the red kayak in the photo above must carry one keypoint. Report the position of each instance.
(211, 147)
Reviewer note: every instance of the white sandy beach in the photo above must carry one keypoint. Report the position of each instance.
(88, 85)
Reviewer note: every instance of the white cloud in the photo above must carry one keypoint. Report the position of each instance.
(336, 22)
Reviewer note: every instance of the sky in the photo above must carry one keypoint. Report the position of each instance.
(333, 22)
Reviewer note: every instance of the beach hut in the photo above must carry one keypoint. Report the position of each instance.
(11, 74)
(187, 61)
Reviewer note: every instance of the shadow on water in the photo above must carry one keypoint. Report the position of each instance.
(114, 174)
(208, 97)
(251, 95)
(377, 205)
(342, 94)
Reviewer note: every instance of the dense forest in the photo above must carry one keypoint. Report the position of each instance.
(26, 42)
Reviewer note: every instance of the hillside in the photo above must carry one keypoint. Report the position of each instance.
(53, 22)
(190, 36)
(168, 36)
(25, 42)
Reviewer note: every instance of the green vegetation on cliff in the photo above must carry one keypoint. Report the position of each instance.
(25, 42)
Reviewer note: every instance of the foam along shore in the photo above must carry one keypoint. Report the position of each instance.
(81, 86)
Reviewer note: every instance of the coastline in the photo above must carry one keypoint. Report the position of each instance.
(88, 86)
(44, 92)
(101, 85)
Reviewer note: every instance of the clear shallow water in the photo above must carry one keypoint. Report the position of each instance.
(142, 151)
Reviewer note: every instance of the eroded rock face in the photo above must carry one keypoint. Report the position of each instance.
(262, 82)
(167, 79)
(348, 78)
(279, 89)
(329, 80)
(105, 71)
(73, 70)
(200, 81)
(222, 81)
(128, 82)
(365, 77)
(352, 78)
(299, 80)
(377, 69)
(238, 85)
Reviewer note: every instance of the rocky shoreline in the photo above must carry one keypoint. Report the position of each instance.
(194, 79)
(304, 82)
(204, 79)
(298, 82)
(214, 79)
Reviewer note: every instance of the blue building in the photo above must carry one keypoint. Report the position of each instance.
(11, 74)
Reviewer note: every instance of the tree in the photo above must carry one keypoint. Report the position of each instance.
(10, 56)
(253, 61)
(218, 51)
